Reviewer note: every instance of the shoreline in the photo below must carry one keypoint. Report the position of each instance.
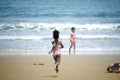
(33, 52)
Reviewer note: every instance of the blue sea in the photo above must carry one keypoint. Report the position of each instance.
(27, 25)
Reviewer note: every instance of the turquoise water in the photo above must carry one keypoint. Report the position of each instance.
(65, 11)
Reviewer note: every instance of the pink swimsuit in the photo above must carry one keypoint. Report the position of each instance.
(56, 49)
(73, 38)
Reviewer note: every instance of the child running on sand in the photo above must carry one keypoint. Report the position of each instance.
(72, 39)
(57, 45)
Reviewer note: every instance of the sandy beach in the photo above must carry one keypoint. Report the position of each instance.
(26, 37)
(72, 67)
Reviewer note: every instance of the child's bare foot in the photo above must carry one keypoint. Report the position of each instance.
(56, 69)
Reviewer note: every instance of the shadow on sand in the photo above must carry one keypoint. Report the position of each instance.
(51, 76)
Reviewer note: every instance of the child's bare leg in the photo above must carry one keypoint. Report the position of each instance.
(58, 62)
(74, 48)
(70, 49)
(55, 59)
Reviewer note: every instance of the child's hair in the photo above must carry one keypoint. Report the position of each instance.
(72, 28)
(55, 34)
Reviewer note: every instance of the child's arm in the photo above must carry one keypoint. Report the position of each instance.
(71, 37)
(61, 45)
(52, 47)
(51, 50)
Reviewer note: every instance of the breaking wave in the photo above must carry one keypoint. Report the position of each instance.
(64, 37)
(44, 26)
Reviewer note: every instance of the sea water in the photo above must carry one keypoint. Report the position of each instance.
(28, 24)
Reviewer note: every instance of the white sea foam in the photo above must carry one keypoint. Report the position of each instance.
(64, 37)
(59, 26)
(29, 37)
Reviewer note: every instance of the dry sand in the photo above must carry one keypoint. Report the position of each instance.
(72, 67)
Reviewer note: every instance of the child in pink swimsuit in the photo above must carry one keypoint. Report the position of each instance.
(57, 45)
(72, 39)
